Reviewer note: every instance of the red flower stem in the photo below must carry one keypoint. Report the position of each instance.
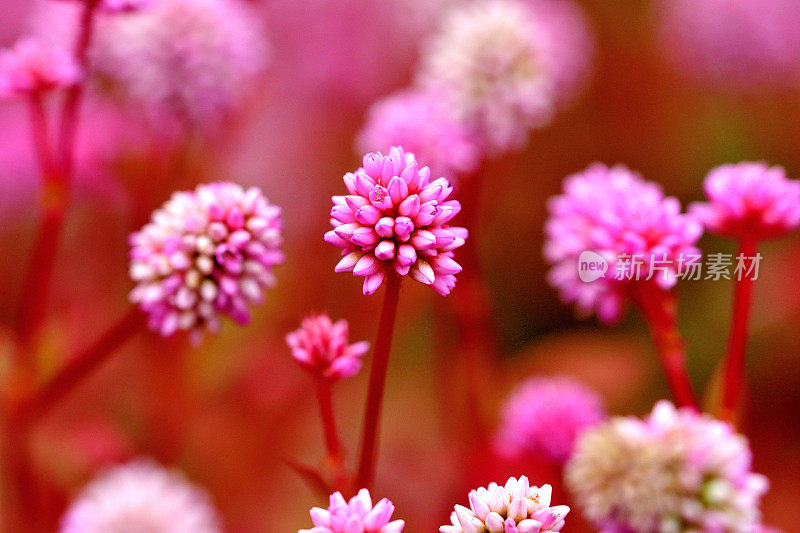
(57, 178)
(659, 309)
(325, 398)
(377, 382)
(735, 368)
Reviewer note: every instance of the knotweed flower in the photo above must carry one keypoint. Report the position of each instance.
(321, 346)
(421, 123)
(356, 515)
(629, 224)
(677, 470)
(749, 201)
(141, 496)
(514, 508)
(395, 221)
(34, 65)
(183, 60)
(205, 253)
(544, 416)
(492, 62)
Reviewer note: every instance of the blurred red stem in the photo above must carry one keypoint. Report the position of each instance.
(377, 382)
(734, 371)
(325, 397)
(659, 309)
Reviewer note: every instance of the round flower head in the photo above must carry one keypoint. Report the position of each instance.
(544, 416)
(749, 201)
(320, 346)
(141, 496)
(184, 60)
(491, 61)
(677, 470)
(395, 221)
(623, 222)
(34, 65)
(421, 123)
(356, 515)
(205, 252)
(514, 508)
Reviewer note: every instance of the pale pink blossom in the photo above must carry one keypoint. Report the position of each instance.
(34, 65)
(357, 515)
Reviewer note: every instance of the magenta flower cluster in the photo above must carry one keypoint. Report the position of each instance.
(206, 252)
(749, 201)
(35, 65)
(544, 416)
(612, 211)
(356, 516)
(321, 347)
(394, 221)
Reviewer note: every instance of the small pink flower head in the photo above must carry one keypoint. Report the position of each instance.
(749, 201)
(395, 221)
(35, 65)
(420, 122)
(357, 515)
(514, 508)
(544, 416)
(204, 253)
(617, 215)
(320, 346)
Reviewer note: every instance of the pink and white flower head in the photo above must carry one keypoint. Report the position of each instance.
(141, 496)
(676, 470)
(356, 515)
(185, 61)
(627, 221)
(514, 508)
(422, 123)
(492, 62)
(394, 221)
(321, 347)
(750, 44)
(544, 416)
(34, 65)
(205, 253)
(749, 201)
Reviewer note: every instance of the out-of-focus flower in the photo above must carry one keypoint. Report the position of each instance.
(119, 6)
(749, 201)
(421, 122)
(625, 220)
(544, 416)
(183, 60)
(395, 222)
(205, 252)
(747, 43)
(493, 62)
(677, 470)
(356, 515)
(514, 508)
(141, 496)
(33, 65)
(321, 346)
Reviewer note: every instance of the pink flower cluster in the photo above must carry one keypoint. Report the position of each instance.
(544, 416)
(394, 221)
(357, 515)
(613, 212)
(515, 507)
(35, 65)
(321, 346)
(205, 252)
(749, 201)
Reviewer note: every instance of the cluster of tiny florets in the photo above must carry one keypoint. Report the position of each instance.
(357, 515)
(515, 507)
(675, 471)
(141, 496)
(394, 221)
(34, 65)
(321, 347)
(613, 212)
(205, 253)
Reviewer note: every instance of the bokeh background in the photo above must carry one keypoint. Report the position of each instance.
(228, 412)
